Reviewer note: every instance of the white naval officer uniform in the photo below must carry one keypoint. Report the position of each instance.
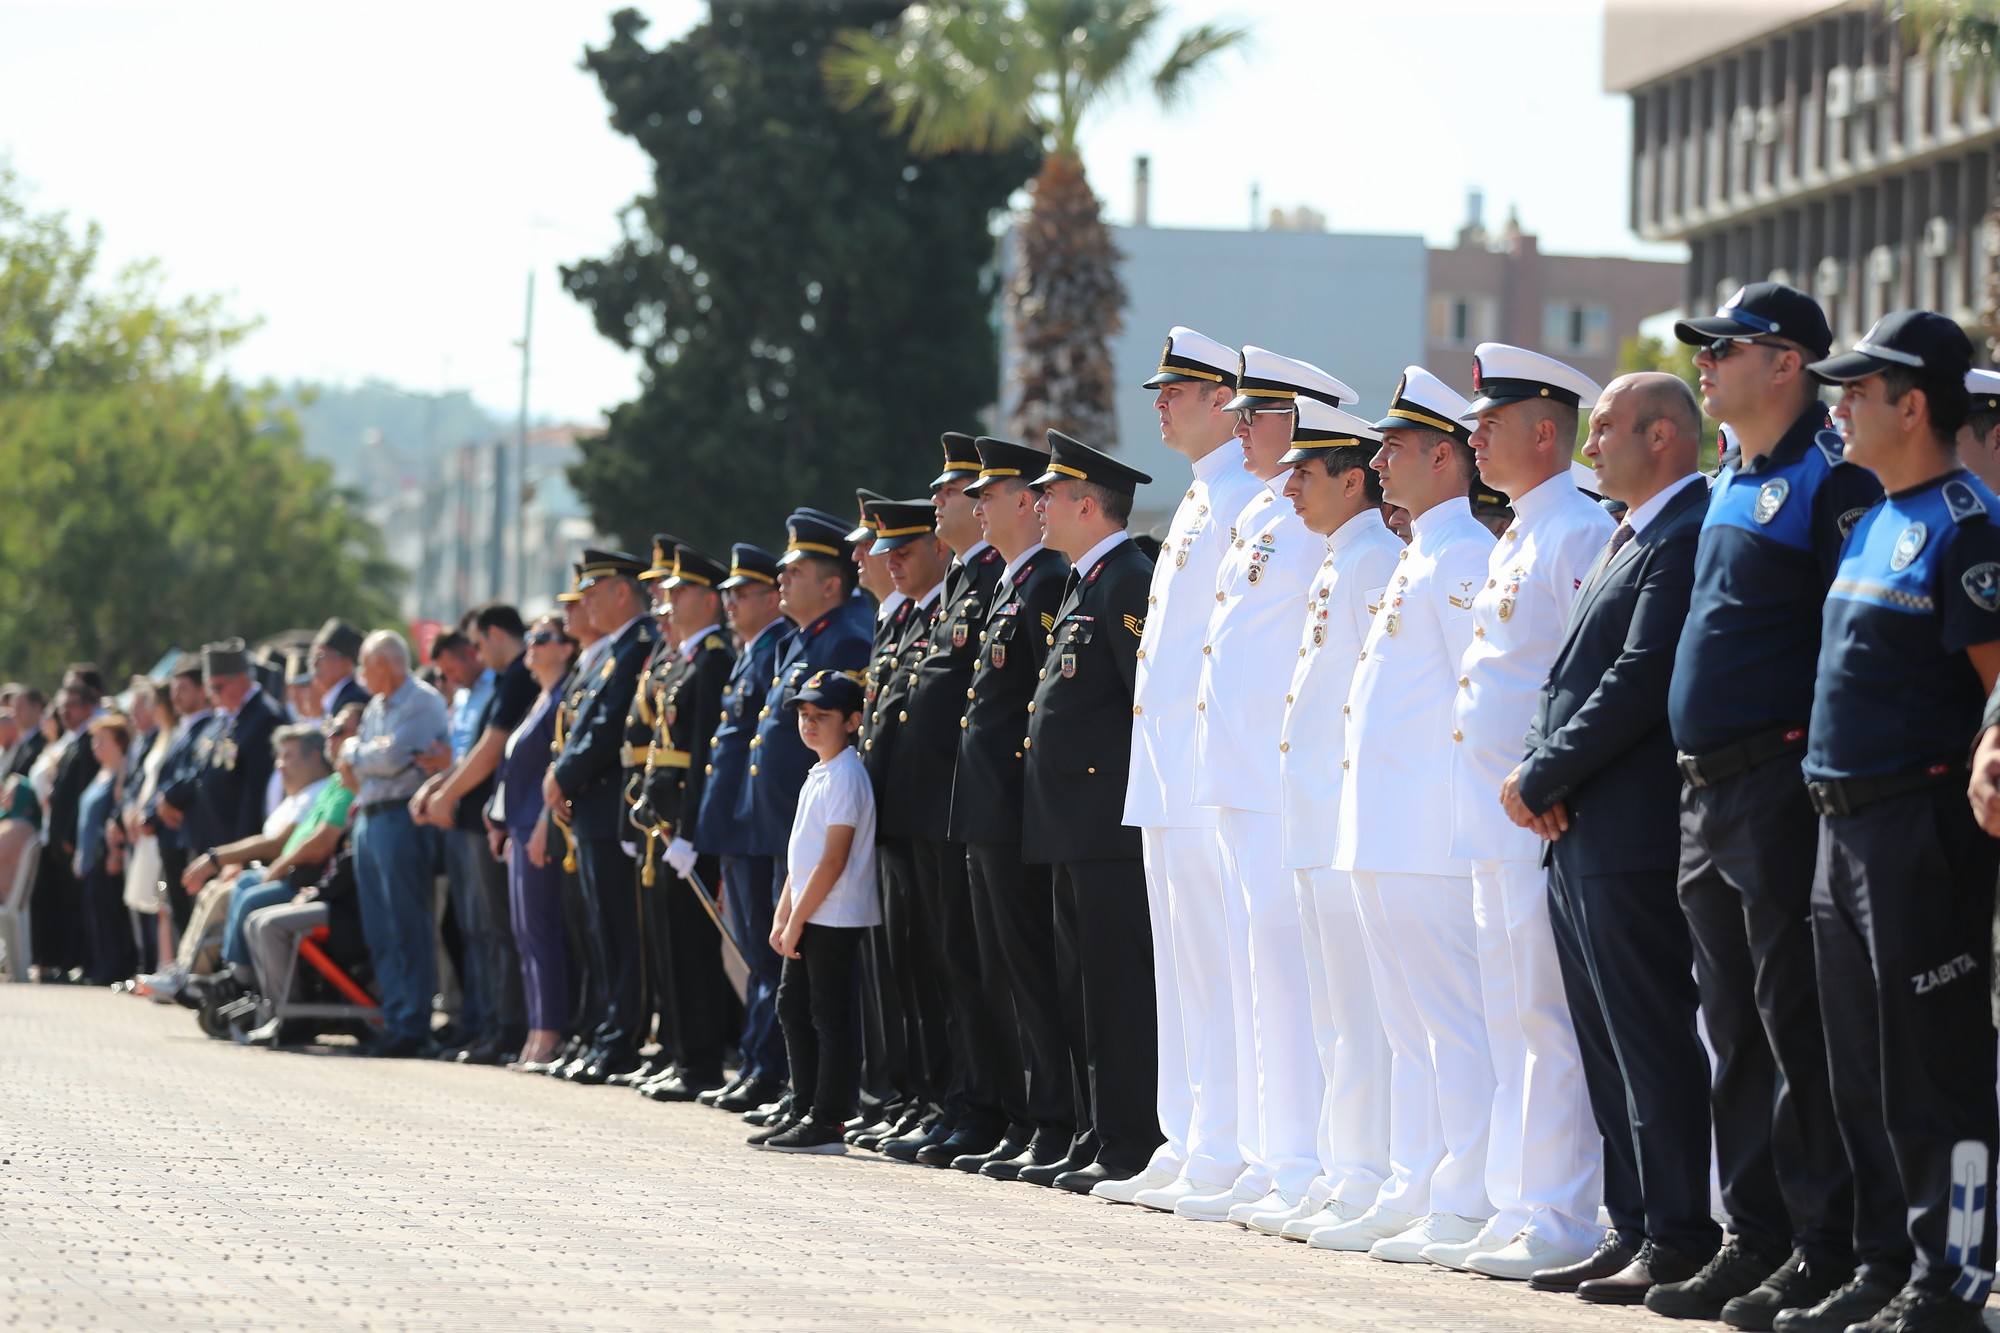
(1197, 1092)
(1344, 595)
(1544, 1171)
(1253, 627)
(1413, 896)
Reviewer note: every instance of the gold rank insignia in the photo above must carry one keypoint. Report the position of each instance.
(1048, 622)
(1137, 624)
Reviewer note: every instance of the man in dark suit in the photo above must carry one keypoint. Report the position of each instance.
(586, 779)
(28, 705)
(1600, 783)
(331, 659)
(56, 910)
(1014, 900)
(1078, 756)
(223, 799)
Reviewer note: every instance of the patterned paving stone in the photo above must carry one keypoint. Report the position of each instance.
(153, 1179)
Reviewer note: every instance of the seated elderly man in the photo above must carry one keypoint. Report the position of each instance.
(272, 934)
(299, 837)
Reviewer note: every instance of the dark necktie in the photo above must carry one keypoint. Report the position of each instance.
(1613, 547)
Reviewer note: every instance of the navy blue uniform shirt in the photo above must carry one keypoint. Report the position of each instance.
(1918, 584)
(1768, 549)
(841, 640)
(717, 829)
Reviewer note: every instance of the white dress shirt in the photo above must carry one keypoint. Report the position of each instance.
(1246, 657)
(1395, 797)
(1532, 577)
(1341, 602)
(1160, 793)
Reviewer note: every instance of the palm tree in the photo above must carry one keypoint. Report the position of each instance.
(987, 74)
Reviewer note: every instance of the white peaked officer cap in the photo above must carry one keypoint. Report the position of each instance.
(1422, 399)
(1191, 357)
(1984, 386)
(1502, 374)
(1322, 426)
(1585, 478)
(1267, 380)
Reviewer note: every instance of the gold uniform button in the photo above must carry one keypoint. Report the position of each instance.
(1221, 597)
(1343, 763)
(763, 713)
(1206, 649)
(1201, 707)
(1284, 747)
(1457, 735)
(708, 769)
(1364, 654)
(756, 741)
(869, 746)
(753, 770)
(1464, 682)
(1288, 698)
(1043, 674)
(1027, 742)
(1151, 600)
(968, 694)
(1137, 710)
(1403, 554)
(964, 722)
(1302, 652)
(1090, 770)
(1345, 710)
(1052, 640)
(1017, 754)
(1031, 705)
(1479, 631)
(1142, 654)
(903, 717)
(1490, 583)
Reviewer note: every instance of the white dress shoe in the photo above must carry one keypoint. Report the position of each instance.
(1332, 1214)
(1439, 1228)
(1274, 1221)
(1519, 1260)
(1274, 1202)
(1166, 1196)
(1454, 1255)
(1127, 1191)
(1376, 1224)
(1212, 1206)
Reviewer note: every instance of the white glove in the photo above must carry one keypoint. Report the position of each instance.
(680, 855)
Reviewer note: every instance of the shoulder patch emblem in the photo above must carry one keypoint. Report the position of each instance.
(713, 642)
(1963, 502)
(1908, 546)
(610, 664)
(1848, 520)
(1771, 498)
(1982, 585)
(1137, 624)
(1831, 445)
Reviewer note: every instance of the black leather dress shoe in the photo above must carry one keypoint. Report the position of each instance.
(1864, 1297)
(906, 1148)
(962, 1143)
(873, 1139)
(1000, 1152)
(1082, 1181)
(715, 1094)
(1654, 1265)
(1035, 1154)
(765, 1116)
(683, 1086)
(394, 1048)
(644, 1071)
(1734, 1270)
(491, 1051)
(1045, 1176)
(746, 1095)
(1610, 1256)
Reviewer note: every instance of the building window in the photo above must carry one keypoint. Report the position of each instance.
(1463, 321)
(1576, 328)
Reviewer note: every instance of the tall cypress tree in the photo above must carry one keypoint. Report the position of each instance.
(813, 303)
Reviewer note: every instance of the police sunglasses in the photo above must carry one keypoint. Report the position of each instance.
(1720, 349)
(1243, 414)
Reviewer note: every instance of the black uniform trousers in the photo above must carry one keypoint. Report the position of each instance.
(979, 1055)
(746, 881)
(180, 904)
(1104, 969)
(1747, 848)
(580, 954)
(698, 1017)
(611, 905)
(1627, 969)
(1019, 902)
(109, 951)
(910, 931)
(1901, 905)
(816, 1003)
(656, 972)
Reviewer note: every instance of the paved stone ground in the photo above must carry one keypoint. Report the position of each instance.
(153, 1179)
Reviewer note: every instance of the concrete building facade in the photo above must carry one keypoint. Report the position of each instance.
(1812, 143)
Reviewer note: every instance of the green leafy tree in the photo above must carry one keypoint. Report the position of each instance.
(810, 300)
(145, 500)
(1965, 35)
(984, 74)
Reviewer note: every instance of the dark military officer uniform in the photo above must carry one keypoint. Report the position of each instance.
(642, 826)
(986, 1062)
(1079, 748)
(910, 920)
(1738, 704)
(591, 778)
(1902, 895)
(746, 878)
(1015, 899)
(699, 1009)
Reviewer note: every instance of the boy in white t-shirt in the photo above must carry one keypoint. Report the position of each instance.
(826, 908)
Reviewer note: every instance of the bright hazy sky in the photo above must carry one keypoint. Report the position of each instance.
(374, 181)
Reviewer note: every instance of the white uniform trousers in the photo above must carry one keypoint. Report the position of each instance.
(1545, 1160)
(1353, 1052)
(1197, 1097)
(1424, 958)
(1277, 1061)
